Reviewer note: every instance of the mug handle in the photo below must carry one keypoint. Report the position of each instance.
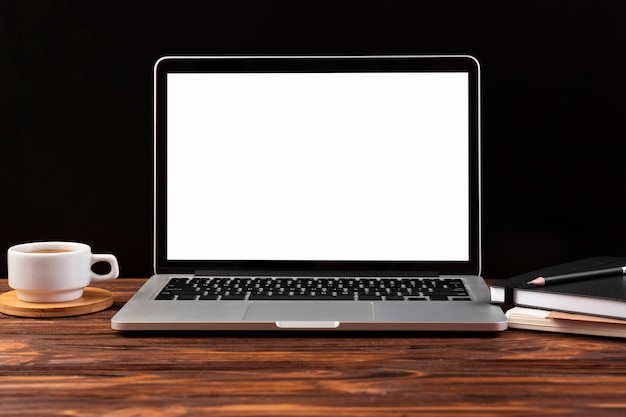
(111, 260)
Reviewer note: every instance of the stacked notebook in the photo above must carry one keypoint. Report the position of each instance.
(595, 306)
(556, 321)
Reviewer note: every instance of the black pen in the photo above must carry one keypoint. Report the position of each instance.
(578, 276)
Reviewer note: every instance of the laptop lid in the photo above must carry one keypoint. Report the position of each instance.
(317, 166)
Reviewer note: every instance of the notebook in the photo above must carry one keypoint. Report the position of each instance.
(600, 296)
(316, 193)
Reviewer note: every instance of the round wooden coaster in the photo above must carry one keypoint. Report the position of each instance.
(93, 300)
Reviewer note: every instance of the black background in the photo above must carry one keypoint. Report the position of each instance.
(76, 110)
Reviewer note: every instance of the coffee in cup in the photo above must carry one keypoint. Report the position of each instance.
(47, 272)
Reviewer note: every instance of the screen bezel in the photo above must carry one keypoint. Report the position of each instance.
(404, 63)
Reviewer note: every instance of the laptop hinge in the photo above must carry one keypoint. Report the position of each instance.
(235, 273)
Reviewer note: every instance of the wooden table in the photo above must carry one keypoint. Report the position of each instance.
(80, 367)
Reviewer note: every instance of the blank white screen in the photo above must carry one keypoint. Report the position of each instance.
(318, 166)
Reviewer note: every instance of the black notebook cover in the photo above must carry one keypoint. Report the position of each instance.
(563, 296)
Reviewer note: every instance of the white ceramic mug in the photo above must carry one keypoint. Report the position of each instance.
(49, 272)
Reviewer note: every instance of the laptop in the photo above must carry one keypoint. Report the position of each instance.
(316, 193)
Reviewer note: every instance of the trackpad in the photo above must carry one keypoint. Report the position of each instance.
(319, 311)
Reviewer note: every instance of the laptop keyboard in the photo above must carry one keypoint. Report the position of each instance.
(350, 289)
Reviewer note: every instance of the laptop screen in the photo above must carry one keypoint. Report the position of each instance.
(329, 163)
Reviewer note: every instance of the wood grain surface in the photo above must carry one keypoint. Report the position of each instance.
(78, 366)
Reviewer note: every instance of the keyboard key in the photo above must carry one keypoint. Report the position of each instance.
(370, 297)
(165, 295)
(234, 297)
(187, 297)
(438, 298)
